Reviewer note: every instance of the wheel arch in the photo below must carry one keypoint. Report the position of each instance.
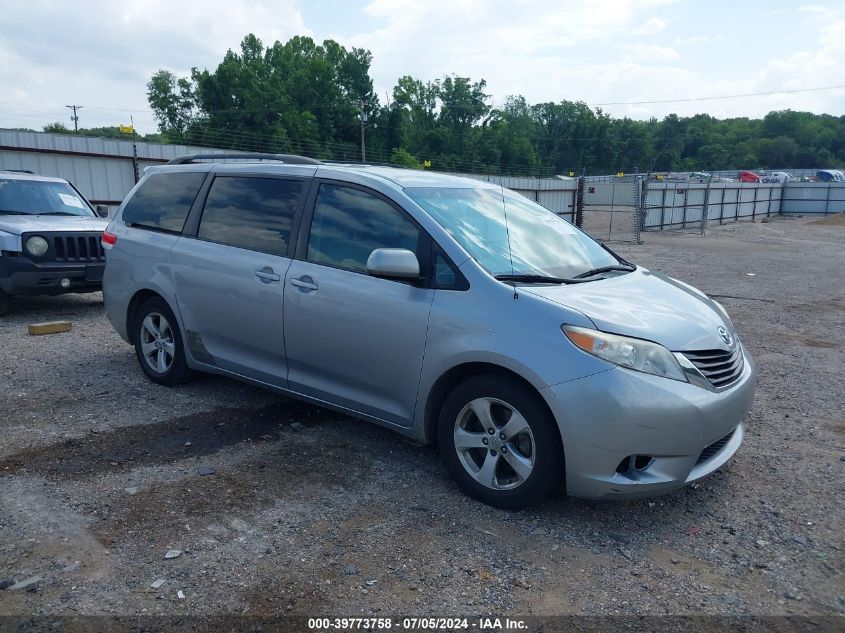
(456, 375)
(135, 302)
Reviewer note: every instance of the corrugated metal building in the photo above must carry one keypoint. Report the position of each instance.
(103, 169)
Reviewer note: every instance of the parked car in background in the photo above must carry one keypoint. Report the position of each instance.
(49, 238)
(695, 177)
(749, 176)
(447, 309)
(829, 175)
(776, 177)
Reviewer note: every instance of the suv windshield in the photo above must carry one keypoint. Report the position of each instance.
(541, 242)
(22, 196)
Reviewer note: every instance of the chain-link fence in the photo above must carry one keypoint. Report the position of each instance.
(610, 208)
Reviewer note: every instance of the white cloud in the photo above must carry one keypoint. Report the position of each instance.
(652, 26)
(692, 39)
(650, 53)
(519, 47)
(101, 52)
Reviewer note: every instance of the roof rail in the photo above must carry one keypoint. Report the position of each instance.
(19, 171)
(291, 159)
(358, 163)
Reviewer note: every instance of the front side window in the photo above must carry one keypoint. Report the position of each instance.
(163, 200)
(349, 224)
(39, 197)
(507, 233)
(251, 213)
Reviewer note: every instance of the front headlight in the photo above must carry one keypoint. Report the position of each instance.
(631, 353)
(36, 246)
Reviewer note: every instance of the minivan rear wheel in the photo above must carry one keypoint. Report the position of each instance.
(499, 442)
(158, 343)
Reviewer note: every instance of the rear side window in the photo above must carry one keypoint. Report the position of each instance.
(349, 224)
(251, 213)
(162, 202)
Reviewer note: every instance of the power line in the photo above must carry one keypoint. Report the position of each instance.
(736, 96)
(458, 106)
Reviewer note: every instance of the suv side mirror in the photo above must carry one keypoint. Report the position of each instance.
(102, 210)
(393, 263)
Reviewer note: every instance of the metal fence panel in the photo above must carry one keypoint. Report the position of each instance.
(814, 198)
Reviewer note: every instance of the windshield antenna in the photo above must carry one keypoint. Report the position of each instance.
(508, 234)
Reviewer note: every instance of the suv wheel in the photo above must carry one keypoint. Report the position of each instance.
(158, 343)
(5, 303)
(499, 443)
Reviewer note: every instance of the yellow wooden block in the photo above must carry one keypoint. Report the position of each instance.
(50, 327)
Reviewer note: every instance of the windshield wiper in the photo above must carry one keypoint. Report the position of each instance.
(606, 269)
(621, 260)
(538, 279)
(55, 213)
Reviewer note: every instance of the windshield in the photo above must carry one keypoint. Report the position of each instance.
(33, 197)
(541, 242)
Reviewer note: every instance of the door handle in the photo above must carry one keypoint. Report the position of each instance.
(304, 283)
(267, 275)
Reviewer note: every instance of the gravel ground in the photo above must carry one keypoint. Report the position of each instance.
(313, 513)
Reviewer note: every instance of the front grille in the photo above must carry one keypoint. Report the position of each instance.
(714, 448)
(78, 247)
(721, 367)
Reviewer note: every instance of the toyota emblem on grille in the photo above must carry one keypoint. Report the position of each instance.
(725, 335)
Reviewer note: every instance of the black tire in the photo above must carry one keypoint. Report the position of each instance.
(5, 303)
(176, 372)
(546, 453)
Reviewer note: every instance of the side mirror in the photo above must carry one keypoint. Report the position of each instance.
(102, 210)
(393, 263)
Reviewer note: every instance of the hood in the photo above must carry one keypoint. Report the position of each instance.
(645, 305)
(17, 224)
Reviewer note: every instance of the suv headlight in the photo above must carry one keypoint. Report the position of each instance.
(36, 246)
(631, 353)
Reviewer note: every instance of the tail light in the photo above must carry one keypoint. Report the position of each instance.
(109, 240)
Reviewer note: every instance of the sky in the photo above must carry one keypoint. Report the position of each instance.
(615, 54)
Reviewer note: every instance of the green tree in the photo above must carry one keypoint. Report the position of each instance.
(307, 97)
(171, 100)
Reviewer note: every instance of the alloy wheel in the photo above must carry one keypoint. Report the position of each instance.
(494, 443)
(157, 343)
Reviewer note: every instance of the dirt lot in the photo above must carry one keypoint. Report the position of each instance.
(309, 512)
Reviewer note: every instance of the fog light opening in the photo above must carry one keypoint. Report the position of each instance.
(65, 282)
(641, 462)
(634, 463)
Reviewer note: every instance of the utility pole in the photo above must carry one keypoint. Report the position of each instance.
(134, 150)
(363, 120)
(75, 117)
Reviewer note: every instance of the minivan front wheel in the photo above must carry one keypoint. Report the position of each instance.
(499, 443)
(158, 343)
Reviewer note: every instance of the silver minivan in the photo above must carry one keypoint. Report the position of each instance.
(448, 309)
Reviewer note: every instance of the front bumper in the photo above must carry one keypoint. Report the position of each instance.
(21, 276)
(609, 417)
